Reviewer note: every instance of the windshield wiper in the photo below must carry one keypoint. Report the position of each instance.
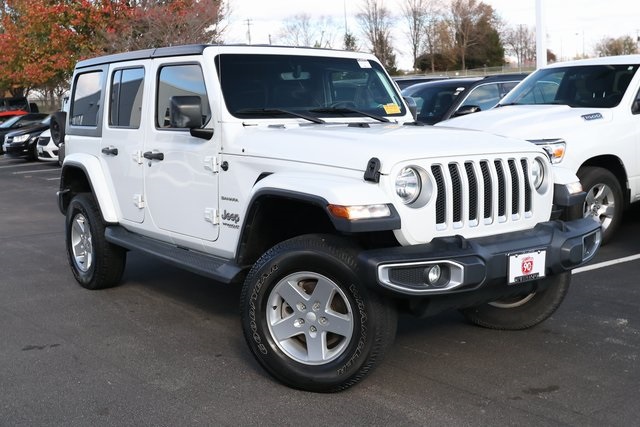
(344, 111)
(277, 111)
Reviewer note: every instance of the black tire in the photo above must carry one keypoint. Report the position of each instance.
(605, 200)
(33, 152)
(286, 337)
(523, 311)
(95, 263)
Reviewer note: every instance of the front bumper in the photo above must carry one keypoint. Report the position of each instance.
(481, 262)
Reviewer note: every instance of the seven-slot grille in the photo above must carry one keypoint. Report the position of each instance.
(472, 193)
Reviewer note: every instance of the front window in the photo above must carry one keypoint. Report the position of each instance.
(275, 85)
(590, 86)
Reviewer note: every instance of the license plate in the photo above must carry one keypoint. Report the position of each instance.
(526, 266)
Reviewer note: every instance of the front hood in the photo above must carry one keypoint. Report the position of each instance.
(531, 121)
(37, 128)
(351, 146)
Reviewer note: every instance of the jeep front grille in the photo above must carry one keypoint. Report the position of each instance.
(474, 193)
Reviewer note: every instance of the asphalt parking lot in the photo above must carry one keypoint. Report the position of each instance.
(165, 348)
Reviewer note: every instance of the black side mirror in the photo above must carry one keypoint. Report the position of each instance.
(467, 109)
(185, 112)
(635, 108)
(413, 107)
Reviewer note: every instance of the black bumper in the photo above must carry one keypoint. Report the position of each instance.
(480, 262)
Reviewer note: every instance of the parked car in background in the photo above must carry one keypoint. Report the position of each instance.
(442, 99)
(18, 122)
(22, 142)
(586, 114)
(406, 81)
(46, 147)
(16, 104)
(6, 115)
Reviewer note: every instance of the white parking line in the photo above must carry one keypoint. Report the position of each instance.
(606, 264)
(19, 165)
(36, 171)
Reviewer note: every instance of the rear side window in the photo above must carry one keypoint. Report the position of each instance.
(125, 105)
(180, 80)
(86, 99)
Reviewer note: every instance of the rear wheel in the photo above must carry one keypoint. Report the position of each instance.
(522, 311)
(95, 263)
(309, 320)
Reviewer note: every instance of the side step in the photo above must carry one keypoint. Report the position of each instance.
(219, 269)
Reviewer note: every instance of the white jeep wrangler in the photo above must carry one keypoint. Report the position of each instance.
(586, 114)
(301, 175)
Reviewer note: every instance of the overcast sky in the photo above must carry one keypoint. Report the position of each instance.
(570, 25)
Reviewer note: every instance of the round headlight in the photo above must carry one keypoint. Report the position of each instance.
(408, 185)
(537, 173)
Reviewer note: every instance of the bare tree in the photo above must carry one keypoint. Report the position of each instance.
(303, 30)
(475, 24)
(521, 42)
(436, 39)
(376, 23)
(621, 46)
(414, 12)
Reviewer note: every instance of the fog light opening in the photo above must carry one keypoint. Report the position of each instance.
(436, 275)
(590, 243)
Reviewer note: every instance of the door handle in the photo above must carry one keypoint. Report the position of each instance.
(153, 156)
(110, 151)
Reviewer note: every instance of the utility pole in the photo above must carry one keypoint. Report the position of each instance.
(541, 47)
(248, 21)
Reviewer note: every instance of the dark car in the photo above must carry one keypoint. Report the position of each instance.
(17, 122)
(23, 142)
(442, 99)
(406, 81)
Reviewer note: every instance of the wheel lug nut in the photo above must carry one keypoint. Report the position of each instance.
(323, 320)
(313, 329)
(301, 306)
(298, 323)
(316, 306)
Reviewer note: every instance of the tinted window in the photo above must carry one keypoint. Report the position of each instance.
(125, 106)
(180, 80)
(484, 96)
(576, 86)
(86, 99)
(264, 85)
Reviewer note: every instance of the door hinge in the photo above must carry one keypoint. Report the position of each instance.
(211, 215)
(211, 164)
(138, 201)
(137, 157)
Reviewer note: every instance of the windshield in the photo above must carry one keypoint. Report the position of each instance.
(10, 122)
(290, 86)
(600, 86)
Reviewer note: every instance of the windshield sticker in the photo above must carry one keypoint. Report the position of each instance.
(363, 63)
(391, 108)
(592, 116)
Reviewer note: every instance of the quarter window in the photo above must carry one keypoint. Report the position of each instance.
(180, 80)
(86, 99)
(125, 106)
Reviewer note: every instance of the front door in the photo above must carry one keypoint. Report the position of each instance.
(181, 183)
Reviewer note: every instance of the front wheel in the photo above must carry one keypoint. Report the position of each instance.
(522, 311)
(95, 263)
(309, 320)
(604, 202)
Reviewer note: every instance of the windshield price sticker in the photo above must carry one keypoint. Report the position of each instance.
(526, 266)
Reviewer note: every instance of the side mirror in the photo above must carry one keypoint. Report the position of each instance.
(185, 112)
(467, 109)
(635, 108)
(413, 107)
(57, 127)
(33, 107)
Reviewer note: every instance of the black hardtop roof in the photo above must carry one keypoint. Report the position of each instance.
(160, 52)
(164, 52)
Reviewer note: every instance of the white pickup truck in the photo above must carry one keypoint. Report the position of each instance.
(586, 114)
(301, 176)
